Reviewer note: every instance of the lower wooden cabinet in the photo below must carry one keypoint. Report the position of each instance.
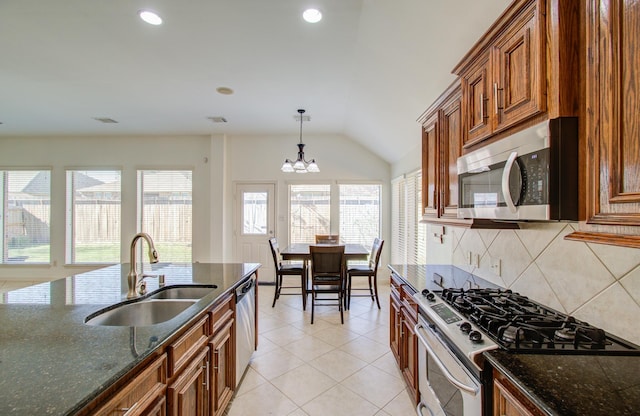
(143, 395)
(508, 400)
(222, 369)
(403, 339)
(188, 395)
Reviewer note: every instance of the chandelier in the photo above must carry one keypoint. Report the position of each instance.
(300, 165)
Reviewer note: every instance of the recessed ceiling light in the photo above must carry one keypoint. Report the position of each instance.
(312, 15)
(224, 90)
(150, 17)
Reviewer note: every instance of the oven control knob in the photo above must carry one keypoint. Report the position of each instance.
(475, 336)
(465, 327)
(430, 296)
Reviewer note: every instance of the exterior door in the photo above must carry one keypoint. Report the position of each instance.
(255, 225)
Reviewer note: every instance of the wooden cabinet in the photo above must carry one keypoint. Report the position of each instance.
(442, 145)
(504, 76)
(188, 395)
(508, 400)
(143, 395)
(409, 343)
(610, 125)
(403, 340)
(222, 346)
(395, 319)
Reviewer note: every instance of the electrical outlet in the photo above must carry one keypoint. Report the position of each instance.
(496, 265)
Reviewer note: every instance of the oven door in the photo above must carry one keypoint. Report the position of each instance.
(446, 386)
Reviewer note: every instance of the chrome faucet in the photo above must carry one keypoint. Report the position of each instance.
(132, 278)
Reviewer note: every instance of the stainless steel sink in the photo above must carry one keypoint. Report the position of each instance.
(186, 292)
(142, 313)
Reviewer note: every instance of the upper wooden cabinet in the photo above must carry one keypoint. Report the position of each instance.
(442, 135)
(611, 123)
(504, 76)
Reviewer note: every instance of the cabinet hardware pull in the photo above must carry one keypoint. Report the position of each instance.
(495, 97)
(482, 100)
(206, 378)
(215, 358)
(128, 410)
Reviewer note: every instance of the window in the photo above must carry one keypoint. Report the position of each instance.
(25, 216)
(254, 215)
(309, 212)
(360, 213)
(165, 212)
(408, 236)
(93, 216)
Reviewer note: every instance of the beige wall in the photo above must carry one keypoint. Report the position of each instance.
(596, 283)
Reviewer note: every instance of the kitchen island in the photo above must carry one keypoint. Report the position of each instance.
(52, 363)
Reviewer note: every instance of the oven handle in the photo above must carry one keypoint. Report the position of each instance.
(473, 390)
(421, 406)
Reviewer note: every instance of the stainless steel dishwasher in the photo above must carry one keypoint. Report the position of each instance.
(245, 325)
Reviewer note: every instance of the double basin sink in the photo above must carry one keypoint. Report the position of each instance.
(157, 307)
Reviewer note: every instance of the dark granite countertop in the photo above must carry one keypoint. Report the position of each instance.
(562, 385)
(573, 385)
(52, 363)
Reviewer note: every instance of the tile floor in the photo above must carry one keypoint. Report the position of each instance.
(325, 368)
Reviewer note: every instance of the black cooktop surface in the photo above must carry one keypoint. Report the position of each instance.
(519, 324)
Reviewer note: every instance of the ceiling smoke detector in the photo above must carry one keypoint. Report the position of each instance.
(105, 120)
(217, 119)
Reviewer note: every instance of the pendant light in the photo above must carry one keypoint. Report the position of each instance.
(300, 165)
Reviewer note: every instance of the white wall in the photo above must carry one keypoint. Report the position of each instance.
(218, 162)
(253, 158)
(125, 153)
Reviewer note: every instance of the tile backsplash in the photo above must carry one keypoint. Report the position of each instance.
(596, 283)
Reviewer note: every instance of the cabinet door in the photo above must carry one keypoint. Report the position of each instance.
(158, 408)
(188, 394)
(395, 322)
(477, 100)
(612, 126)
(223, 369)
(519, 62)
(451, 149)
(409, 356)
(430, 164)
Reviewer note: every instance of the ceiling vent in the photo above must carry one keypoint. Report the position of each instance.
(106, 120)
(217, 119)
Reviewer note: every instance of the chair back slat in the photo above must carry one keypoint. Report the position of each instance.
(327, 260)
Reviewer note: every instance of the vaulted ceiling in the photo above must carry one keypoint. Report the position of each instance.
(367, 70)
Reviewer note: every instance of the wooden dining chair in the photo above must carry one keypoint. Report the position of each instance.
(327, 238)
(284, 269)
(370, 271)
(327, 277)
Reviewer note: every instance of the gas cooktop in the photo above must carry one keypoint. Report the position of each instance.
(518, 324)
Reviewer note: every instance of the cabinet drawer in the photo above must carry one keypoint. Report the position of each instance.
(409, 304)
(140, 393)
(181, 351)
(221, 313)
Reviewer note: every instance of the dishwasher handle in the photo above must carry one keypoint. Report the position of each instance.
(243, 290)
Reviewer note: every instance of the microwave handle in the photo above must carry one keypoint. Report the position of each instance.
(505, 182)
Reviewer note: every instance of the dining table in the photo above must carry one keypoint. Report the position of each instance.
(300, 251)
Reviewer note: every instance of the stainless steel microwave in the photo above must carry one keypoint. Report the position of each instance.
(531, 175)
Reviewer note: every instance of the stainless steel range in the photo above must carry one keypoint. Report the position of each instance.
(456, 325)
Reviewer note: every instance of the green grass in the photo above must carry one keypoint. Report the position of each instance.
(104, 253)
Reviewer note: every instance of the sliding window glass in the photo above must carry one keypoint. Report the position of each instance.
(165, 212)
(309, 212)
(360, 213)
(25, 216)
(93, 216)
